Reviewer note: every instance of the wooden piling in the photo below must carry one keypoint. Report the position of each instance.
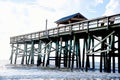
(66, 53)
(16, 54)
(118, 52)
(60, 53)
(32, 52)
(39, 53)
(70, 48)
(88, 43)
(56, 55)
(24, 53)
(48, 54)
(83, 54)
(12, 52)
(78, 55)
(93, 58)
(73, 53)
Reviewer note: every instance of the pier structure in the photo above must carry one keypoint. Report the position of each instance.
(75, 45)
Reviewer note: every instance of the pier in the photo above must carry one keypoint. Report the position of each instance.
(74, 45)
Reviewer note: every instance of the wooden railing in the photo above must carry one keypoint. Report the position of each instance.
(78, 26)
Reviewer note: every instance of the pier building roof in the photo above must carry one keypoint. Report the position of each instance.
(71, 18)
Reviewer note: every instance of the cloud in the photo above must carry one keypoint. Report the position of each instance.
(97, 2)
(28, 16)
(112, 7)
(21, 18)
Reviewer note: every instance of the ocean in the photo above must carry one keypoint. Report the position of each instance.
(19, 72)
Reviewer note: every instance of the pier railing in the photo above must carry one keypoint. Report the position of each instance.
(105, 21)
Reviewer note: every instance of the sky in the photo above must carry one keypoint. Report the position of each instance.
(26, 16)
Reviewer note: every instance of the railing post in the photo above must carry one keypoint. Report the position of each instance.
(107, 23)
(88, 27)
(71, 29)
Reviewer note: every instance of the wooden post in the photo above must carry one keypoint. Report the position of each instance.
(105, 56)
(113, 52)
(93, 59)
(60, 52)
(49, 50)
(66, 53)
(83, 58)
(32, 52)
(73, 54)
(109, 56)
(88, 42)
(12, 52)
(39, 53)
(70, 48)
(101, 55)
(44, 56)
(56, 55)
(16, 54)
(78, 56)
(118, 52)
(24, 53)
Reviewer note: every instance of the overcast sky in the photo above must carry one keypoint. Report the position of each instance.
(25, 16)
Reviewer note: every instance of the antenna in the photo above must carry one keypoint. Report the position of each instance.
(46, 27)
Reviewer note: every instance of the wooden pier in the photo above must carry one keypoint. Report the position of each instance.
(76, 45)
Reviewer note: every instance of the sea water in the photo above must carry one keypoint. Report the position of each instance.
(19, 72)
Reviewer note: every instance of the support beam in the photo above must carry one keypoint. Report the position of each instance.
(70, 48)
(56, 53)
(44, 55)
(100, 42)
(12, 52)
(93, 58)
(101, 54)
(88, 43)
(39, 61)
(73, 54)
(66, 53)
(83, 54)
(48, 54)
(16, 54)
(118, 52)
(78, 55)
(32, 52)
(24, 53)
(60, 53)
(113, 52)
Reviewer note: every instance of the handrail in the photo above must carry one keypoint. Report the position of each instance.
(77, 26)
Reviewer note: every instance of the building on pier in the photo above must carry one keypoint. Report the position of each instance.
(77, 17)
(74, 45)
